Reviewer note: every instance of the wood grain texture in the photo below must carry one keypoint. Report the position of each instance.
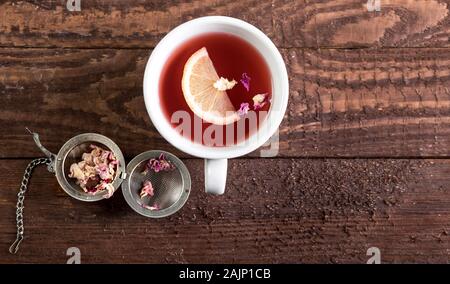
(112, 23)
(369, 102)
(350, 23)
(343, 103)
(313, 211)
(299, 23)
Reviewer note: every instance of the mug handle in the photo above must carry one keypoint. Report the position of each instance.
(215, 176)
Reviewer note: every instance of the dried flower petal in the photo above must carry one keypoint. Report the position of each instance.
(89, 171)
(103, 171)
(147, 189)
(96, 151)
(223, 84)
(88, 158)
(112, 158)
(245, 80)
(110, 189)
(76, 172)
(153, 207)
(91, 190)
(260, 100)
(243, 110)
(95, 172)
(105, 155)
(159, 164)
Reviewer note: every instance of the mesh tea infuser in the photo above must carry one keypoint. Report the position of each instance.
(171, 188)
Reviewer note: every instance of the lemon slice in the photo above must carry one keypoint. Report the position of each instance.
(198, 83)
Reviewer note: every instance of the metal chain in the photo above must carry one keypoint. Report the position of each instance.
(21, 197)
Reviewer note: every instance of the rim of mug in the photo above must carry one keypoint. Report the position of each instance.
(269, 126)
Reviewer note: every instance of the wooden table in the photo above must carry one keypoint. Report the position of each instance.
(364, 146)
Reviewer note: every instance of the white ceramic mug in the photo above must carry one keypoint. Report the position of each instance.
(216, 157)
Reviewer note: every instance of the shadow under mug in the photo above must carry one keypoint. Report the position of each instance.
(216, 157)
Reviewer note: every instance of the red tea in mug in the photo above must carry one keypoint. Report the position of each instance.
(243, 76)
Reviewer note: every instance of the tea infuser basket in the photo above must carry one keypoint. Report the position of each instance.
(72, 151)
(171, 187)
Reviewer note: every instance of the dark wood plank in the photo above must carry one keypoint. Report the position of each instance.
(369, 102)
(343, 103)
(314, 211)
(311, 23)
(68, 92)
(349, 23)
(112, 23)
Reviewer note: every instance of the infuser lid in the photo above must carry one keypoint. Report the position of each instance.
(170, 187)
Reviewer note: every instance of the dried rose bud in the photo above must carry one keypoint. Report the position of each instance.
(224, 84)
(260, 100)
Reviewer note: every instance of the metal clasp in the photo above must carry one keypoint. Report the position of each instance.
(50, 155)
